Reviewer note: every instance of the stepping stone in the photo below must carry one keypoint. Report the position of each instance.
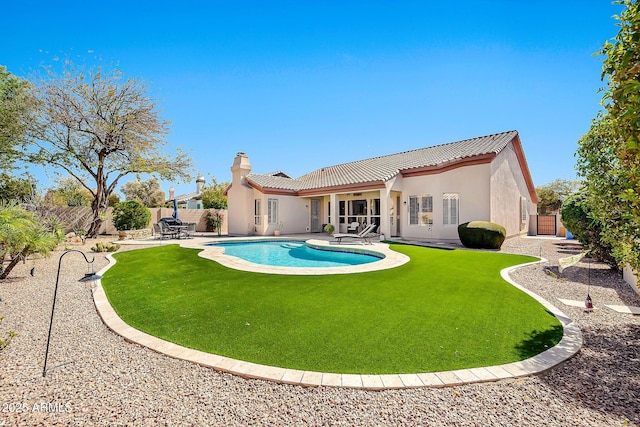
(572, 303)
(624, 309)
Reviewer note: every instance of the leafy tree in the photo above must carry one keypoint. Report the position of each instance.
(15, 105)
(213, 195)
(22, 233)
(68, 192)
(14, 188)
(552, 194)
(548, 200)
(609, 154)
(113, 199)
(99, 128)
(577, 217)
(146, 192)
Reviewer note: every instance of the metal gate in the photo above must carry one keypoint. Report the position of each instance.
(546, 225)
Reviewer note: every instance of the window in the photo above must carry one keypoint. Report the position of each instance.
(523, 209)
(421, 210)
(426, 210)
(272, 211)
(413, 210)
(257, 212)
(357, 211)
(329, 210)
(450, 208)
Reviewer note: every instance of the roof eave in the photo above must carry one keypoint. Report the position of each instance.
(517, 148)
(346, 188)
(446, 166)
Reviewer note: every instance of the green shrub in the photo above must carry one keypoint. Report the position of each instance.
(576, 217)
(329, 228)
(105, 247)
(481, 235)
(130, 215)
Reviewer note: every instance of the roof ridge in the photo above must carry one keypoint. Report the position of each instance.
(413, 150)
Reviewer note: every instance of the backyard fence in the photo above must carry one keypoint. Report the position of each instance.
(79, 218)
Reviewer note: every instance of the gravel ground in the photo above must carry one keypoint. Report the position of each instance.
(100, 379)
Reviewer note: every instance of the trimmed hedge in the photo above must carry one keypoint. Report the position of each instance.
(482, 235)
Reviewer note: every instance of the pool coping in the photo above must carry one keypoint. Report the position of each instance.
(568, 346)
(391, 258)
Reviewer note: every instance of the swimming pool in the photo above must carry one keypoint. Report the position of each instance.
(288, 253)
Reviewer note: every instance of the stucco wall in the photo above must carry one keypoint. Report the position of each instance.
(293, 213)
(472, 185)
(240, 206)
(508, 185)
(630, 278)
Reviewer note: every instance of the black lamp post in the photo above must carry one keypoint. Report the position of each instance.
(89, 275)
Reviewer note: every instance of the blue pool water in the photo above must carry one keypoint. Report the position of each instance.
(293, 254)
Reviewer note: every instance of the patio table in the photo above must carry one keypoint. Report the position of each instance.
(180, 229)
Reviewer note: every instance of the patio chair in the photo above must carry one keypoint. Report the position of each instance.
(190, 231)
(165, 230)
(361, 235)
(353, 227)
(157, 231)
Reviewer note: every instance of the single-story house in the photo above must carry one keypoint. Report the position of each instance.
(189, 200)
(418, 194)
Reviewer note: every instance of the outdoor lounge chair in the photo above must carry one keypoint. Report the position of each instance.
(364, 234)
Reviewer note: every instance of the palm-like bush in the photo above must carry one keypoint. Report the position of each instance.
(22, 233)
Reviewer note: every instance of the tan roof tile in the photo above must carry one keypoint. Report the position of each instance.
(386, 167)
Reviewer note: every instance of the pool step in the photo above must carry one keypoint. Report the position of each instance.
(291, 245)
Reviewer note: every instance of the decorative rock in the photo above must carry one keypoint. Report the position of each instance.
(103, 380)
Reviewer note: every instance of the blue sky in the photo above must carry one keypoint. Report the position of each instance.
(301, 85)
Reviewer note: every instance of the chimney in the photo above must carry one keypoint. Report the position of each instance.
(241, 167)
(199, 183)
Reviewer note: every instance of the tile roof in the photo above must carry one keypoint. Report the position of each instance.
(186, 197)
(386, 167)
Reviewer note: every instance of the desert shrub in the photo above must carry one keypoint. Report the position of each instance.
(5, 341)
(130, 215)
(481, 235)
(105, 247)
(214, 220)
(22, 234)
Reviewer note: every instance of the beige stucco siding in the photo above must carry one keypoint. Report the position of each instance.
(240, 209)
(471, 183)
(293, 212)
(508, 186)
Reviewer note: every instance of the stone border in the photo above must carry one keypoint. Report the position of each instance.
(568, 346)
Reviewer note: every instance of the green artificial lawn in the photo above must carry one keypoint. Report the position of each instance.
(443, 310)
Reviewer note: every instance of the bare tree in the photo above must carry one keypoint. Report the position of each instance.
(99, 127)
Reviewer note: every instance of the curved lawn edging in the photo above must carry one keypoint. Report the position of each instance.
(568, 346)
